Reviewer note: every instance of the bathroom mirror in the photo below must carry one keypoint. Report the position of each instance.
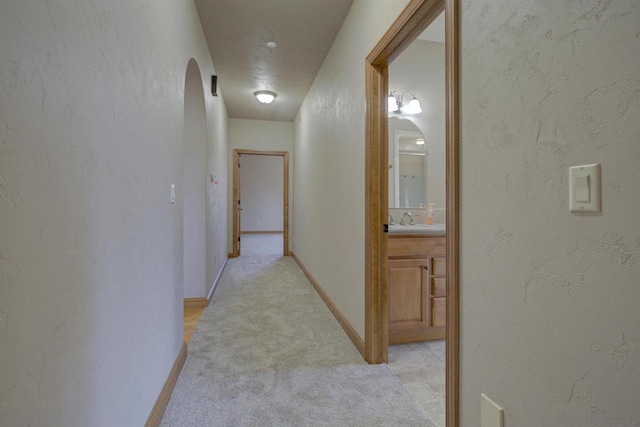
(407, 165)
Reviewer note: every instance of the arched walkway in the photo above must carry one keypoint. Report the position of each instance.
(194, 184)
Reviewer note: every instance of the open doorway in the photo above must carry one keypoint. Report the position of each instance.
(442, 263)
(194, 199)
(416, 262)
(261, 202)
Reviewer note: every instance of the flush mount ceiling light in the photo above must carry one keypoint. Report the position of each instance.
(420, 141)
(265, 96)
(396, 105)
(272, 45)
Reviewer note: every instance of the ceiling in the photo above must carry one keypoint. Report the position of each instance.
(237, 32)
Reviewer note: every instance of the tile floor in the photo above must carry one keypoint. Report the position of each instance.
(420, 367)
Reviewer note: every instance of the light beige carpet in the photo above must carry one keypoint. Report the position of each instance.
(268, 352)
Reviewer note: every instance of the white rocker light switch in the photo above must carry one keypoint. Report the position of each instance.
(584, 188)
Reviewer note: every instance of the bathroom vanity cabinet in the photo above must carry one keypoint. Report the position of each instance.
(417, 287)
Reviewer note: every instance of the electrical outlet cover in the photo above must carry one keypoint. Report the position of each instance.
(491, 415)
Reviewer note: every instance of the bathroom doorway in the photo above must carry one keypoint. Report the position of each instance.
(252, 219)
(415, 18)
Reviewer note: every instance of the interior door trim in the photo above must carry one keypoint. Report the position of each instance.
(236, 191)
(416, 16)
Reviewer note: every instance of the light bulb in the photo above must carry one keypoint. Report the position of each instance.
(413, 107)
(393, 104)
(265, 96)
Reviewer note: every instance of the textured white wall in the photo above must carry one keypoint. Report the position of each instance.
(550, 299)
(217, 165)
(91, 129)
(262, 194)
(329, 161)
(261, 135)
(419, 69)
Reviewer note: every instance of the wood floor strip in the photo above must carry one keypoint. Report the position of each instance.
(191, 319)
(200, 302)
(163, 399)
(344, 323)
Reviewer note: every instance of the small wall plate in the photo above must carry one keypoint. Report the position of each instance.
(491, 414)
(585, 188)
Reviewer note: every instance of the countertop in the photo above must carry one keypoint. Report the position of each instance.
(425, 229)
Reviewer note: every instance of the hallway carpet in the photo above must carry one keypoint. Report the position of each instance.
(267, 352)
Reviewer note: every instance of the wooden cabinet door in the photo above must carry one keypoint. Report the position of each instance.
(439, 311)
(438, 292)
(408, 294)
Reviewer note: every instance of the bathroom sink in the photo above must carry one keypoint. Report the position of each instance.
(434, 229)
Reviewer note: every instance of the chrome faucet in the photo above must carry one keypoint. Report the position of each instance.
(410, 219)
(391, 220)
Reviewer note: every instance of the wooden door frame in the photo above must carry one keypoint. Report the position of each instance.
(416, 16)
(236, 190)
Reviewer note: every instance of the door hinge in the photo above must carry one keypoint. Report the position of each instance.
(238, 238)
(385, 228)
(238, 165)
(238, 201)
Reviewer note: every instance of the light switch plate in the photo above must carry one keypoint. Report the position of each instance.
(172, 193)
(584, 188)
(491, 415)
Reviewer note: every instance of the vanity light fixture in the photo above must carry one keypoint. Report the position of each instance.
(420, 141)
(265, 96)
(396, 105)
